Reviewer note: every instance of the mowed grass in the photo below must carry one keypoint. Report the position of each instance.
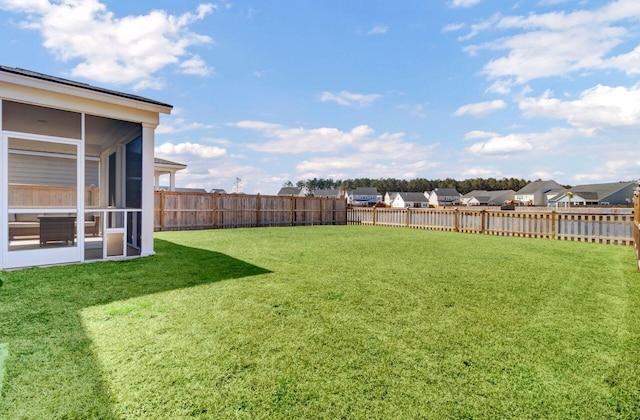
(327, 322)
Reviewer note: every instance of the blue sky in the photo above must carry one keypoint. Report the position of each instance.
(272, 91)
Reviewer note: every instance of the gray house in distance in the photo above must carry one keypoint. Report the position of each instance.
(444, 197)
(535, 193)
(363, 196)
(487, 198)
(614, 194)
(292, 191)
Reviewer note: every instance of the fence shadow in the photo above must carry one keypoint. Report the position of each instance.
(50, 365)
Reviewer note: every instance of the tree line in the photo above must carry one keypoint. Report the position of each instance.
(413, 185)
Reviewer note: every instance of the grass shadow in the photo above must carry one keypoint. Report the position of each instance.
(50, 365)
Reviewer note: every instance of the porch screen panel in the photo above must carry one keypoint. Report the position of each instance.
(42, 174)
(43, 194)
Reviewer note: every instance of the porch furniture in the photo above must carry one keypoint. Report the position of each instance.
(57, 229)
(23, 225)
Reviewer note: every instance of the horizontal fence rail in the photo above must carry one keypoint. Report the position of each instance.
(186, 211)
(607, 228)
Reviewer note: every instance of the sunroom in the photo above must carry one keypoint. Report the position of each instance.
(76, 171)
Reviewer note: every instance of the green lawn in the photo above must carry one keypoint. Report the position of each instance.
(327, 322)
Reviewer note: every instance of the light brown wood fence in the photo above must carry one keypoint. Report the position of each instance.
(22, 195)
(185, 211)
(606, 228)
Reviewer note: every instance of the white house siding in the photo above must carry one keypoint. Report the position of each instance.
(47, 170)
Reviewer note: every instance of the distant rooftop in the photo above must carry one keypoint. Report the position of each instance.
(159, 161)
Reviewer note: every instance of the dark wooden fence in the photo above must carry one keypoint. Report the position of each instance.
(185, 211)
(615, 227)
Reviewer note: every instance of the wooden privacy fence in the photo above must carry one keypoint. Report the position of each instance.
(583, 227)
(184, 211)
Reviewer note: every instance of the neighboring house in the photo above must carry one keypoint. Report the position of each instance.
(166, 167)
(363, 197)
(487, 198)
(328, 193)
(76, 155)
(293, 191)
(217, 191)
(444, 197)
(410, 199)
(389, 197)
(615, 193)
(535, 193)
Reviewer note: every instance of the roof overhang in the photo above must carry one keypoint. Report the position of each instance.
(39, 89)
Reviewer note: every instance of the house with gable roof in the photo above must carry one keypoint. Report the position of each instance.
(410, 200)
(535, 193)
(293, 191)
(613, 193)
(444, 197)
(363, 197)
(487, 198)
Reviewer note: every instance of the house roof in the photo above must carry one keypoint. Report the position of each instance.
(85, 86)
(365, 191)
(165, 162)
(290, 191)
(327, 193)
(489, 197)
(413, 197)
(446, 192)
(535, 186)
(600, 191)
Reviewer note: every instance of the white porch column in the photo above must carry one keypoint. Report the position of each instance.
(172, 181)
(148, 174)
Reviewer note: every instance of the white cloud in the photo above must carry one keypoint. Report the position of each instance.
(453, 27)
(463, 3)
(179, 125)
(196, 66)
(598, 107)
(346, 98)
(363, 166)
(378, 30)
(169, 150)
(358, 151)
(557, 43)
(480, 108)
(506, 145)
(480, 172)
(127, 50)
(477, 134)
(302, 140)
(417, 110)
(519, 143)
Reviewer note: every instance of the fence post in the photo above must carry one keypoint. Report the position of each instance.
(456, 222)
(258, 205)
(408, 216)
(161, 209)
(293, 210)
(554, 224)
(483, 215)
(375, 215)
(214, 211)
(321, 210)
